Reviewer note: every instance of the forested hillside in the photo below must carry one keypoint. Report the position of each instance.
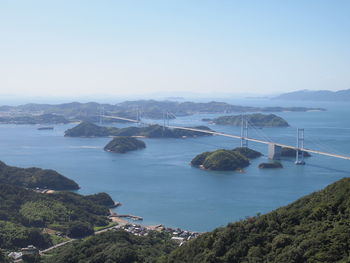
(315, 228)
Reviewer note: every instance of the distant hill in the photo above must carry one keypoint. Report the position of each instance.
(149, 109)
(318, 95)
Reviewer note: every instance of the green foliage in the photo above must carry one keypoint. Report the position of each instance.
(88, 129)
(256, 119)
(223, 160)
(247, 152)
(101, 199)
(35, 177)
(124, 144)
(315, 228)
(22, 209)
(15, 235)
(78, 229)
(40, 212)
(31, 258)
(115, 246)
(200, 158)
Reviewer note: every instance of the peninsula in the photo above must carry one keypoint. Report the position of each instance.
(35, 178)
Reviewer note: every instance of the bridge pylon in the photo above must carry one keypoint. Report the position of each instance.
(299, 158)
(244, 131)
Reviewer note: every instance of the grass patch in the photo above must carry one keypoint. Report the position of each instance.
(111, 224)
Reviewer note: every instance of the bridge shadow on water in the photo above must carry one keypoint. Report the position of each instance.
(319, 166)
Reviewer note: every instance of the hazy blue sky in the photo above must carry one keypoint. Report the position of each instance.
(127, 47)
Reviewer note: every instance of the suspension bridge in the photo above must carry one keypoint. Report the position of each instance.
(274, 149)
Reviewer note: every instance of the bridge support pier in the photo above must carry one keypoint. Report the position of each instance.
(274, 151)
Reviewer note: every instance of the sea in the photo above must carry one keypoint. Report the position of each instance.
(158, 183)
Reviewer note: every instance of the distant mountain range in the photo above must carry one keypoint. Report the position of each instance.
(318, 95)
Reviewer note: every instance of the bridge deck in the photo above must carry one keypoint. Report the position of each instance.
(238, 137)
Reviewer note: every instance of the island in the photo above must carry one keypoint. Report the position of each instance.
(225, 160)
(124, 144)
(87, 129)
(256, 119)
(270, 165)
(35, 178)
(289, 152)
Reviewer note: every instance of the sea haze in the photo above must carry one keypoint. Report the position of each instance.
(158, 183)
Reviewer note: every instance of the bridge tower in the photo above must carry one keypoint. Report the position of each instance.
(244, 131)
(300, 145)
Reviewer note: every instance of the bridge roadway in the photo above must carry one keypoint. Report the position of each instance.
(238, 137)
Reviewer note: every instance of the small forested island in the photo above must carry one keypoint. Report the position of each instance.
(87, 129)
(289, 152)
(124, 144)
(35, 177)
(270, 165)
(256, 119)
(225, 160)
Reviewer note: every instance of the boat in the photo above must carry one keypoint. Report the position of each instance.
(45, 128)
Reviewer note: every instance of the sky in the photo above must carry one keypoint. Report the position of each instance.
(133, 47)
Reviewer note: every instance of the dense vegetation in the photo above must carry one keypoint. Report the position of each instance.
(88, 129)
(124, 144)
(151, 109)
(270, 165)
(315, 228)
(225, 160)
(288, 152)
(24, 212)
(35, 177)
(256, 119)
(115, 246)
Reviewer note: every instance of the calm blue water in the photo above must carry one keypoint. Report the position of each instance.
(158, 183)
